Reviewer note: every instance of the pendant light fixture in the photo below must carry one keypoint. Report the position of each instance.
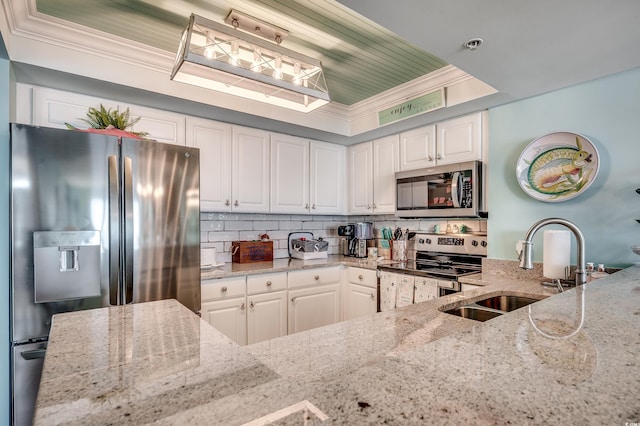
(227, 58)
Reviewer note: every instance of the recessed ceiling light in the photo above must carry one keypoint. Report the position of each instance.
(473, 44)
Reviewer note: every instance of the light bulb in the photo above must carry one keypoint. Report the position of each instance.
(277, 72)
(296, 73)
(257, 60)
(235, 53)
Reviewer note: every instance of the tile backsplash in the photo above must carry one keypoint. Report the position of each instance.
(219, 230)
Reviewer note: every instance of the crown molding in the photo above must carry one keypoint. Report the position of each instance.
(42, 40)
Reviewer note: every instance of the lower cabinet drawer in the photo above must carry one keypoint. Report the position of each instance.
(362, 276)
(223, 288)
(315, 276)
(264, 283)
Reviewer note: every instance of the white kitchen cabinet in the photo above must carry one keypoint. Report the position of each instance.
(386, 162)
(224, 306)
(289, 174)
(361, 292)
(327, 178)
(160, 125)
(306, 176)
(250, 170)
(451, 141)
(214, 141)
(372, 168)
(266, 306)
(54, 108)
(266, 316)
(418, 148)
(228, 316)
(361, 178)
(313, 307)
(459, 139)
(314, 298)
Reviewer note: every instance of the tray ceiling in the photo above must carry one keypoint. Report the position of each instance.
(361, 58)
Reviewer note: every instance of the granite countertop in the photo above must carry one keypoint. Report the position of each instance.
(158, 362)
(283, 265)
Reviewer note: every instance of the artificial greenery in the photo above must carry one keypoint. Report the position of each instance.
(103, 118)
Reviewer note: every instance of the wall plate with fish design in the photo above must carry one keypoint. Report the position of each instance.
(557, 167)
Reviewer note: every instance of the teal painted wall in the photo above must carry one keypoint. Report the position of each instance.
(607, 112)
(4, 241)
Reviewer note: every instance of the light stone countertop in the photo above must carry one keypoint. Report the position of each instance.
(157, 362)
(286, 264)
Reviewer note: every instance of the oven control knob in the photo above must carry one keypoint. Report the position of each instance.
(428, 240)
(474, 243)
(421, 240)
(483, 243)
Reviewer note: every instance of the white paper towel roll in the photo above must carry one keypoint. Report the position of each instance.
(208, 256)
(556, 253)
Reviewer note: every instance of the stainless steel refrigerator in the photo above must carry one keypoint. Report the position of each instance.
(96, 220)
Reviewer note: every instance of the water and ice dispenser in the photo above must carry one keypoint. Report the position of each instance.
(66, 265)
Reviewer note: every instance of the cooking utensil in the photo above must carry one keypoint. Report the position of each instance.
(397, 234)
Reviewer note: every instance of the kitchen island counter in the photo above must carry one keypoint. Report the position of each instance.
(158, 362)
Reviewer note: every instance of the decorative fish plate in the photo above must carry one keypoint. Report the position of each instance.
(557, 167)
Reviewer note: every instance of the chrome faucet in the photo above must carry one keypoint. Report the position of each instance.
(526, 255)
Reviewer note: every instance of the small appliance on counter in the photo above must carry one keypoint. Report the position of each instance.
(356, 239)
(302, 245)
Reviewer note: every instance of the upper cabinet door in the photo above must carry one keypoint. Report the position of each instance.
(386, 162)
(418, 148)
(162, 126)
(55, 108)
(214, 141)
(250, 170)
(289, 174)
(361, 178)
(327, 176)
(460, 139)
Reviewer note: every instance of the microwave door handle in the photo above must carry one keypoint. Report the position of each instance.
(455, 189)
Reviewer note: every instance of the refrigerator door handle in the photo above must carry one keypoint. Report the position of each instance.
(114, 230)
(128, 229)
(34, 354)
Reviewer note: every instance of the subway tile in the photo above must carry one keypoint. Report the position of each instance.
(291, 225)
(312, 225)
(265, 225)
(238, 225)
(248, 235)
(222, 236)
(212, 225)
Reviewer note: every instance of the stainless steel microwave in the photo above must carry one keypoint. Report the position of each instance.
(454, 190)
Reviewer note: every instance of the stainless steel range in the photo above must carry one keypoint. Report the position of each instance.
(444, 257)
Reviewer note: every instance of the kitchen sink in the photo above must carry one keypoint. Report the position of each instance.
(506, 303)
(491, 307)
(474, 313)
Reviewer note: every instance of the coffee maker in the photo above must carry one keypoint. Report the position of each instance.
(348, 235)
(355, 238)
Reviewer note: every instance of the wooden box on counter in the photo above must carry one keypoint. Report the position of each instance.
(251, 251)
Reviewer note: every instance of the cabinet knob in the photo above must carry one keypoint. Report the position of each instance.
(236, 203)
(360, 277)
(372, 296)
(430, 158)
(368, 206)
(242, 307)
(252, 305)
(313, 207)
(374, 205)
(224, 289)
(317, 277)
(306, 206)
(227, 203)
(268, 283)
(293, 300)
(439, 157)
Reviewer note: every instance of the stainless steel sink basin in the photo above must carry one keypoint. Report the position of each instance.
(506, 303)
(491, 307)
(473, 313)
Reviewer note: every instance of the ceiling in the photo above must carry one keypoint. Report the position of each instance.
(372, 50)
(360, 58)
